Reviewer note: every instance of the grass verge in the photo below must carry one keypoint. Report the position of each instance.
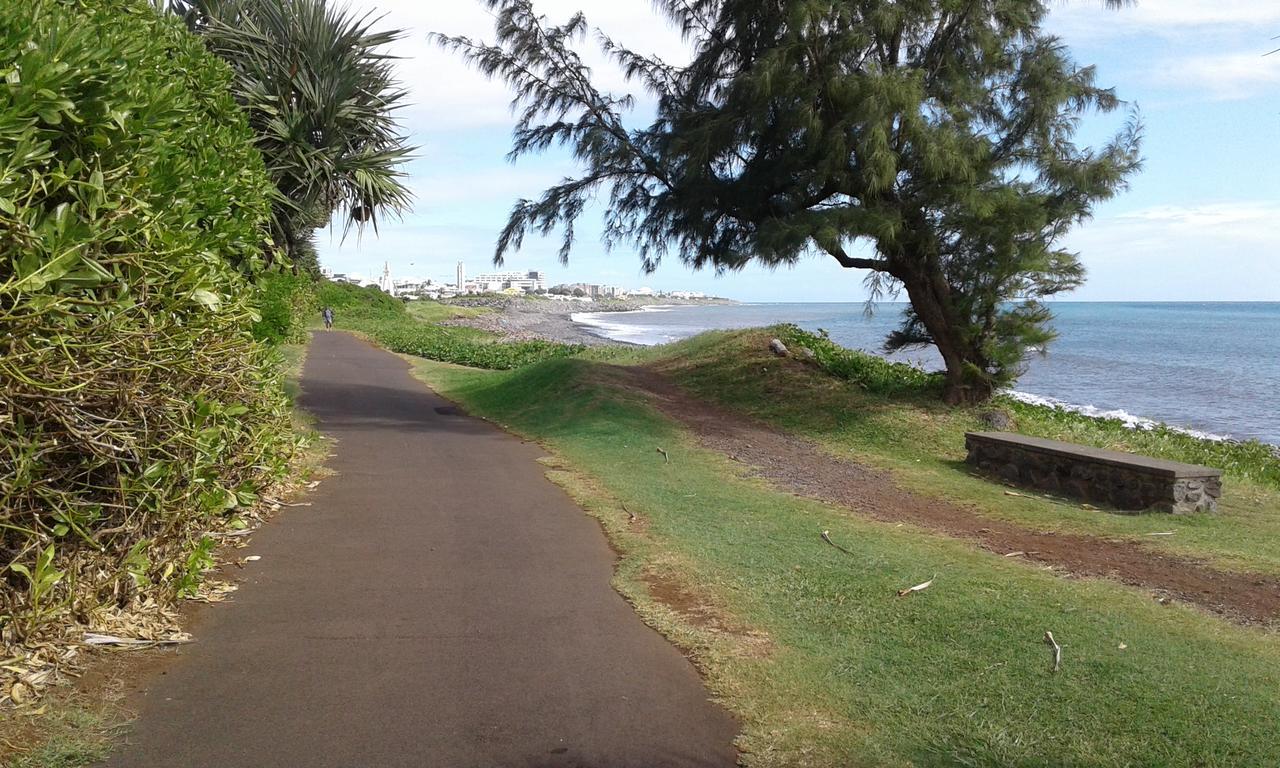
(825, 666)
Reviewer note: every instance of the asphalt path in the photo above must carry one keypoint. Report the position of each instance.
(439, 604)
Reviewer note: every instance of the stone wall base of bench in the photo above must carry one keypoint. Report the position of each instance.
(1121, 488)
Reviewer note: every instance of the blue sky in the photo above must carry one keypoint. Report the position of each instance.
(1200, 223)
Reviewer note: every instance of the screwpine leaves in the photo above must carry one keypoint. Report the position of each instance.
(318, 86)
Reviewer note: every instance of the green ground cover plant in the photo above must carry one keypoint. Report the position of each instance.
(869, 372)
(812, 648)
(286, 303)
(136, 407)
(417, 332)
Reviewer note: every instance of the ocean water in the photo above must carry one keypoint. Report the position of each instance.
(1211, 368)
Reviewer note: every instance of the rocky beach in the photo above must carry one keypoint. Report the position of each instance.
(518, 318)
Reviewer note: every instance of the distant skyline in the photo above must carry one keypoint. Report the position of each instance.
(1201, 222)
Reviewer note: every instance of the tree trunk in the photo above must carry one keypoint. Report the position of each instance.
(931, 305)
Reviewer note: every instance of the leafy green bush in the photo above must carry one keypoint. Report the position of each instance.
(454, 345)
(870, 372)
(134, 402)
(286, 301)
(356, 303)
(1250, 459)
(385, 319)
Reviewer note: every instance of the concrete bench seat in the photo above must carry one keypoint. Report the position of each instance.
(1125, 481)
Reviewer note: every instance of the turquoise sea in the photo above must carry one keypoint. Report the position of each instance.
(1212, 368)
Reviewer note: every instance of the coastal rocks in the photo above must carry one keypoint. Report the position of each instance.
(1125, 482)
(778, 348)
(806, 354)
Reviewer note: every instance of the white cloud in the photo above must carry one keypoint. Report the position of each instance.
(502, 185)
(447, 94)
(1210, 227)
(1215, 251)
(1199, 13)
(1221, 76)
(1187, 49)
(1084, 18)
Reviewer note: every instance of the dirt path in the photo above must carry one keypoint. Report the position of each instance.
(803, 468)
(440, 604)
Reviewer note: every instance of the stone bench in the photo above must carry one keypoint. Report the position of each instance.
(1125, 481)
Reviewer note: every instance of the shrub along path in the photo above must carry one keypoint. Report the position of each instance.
(801, 467)
(440, 603)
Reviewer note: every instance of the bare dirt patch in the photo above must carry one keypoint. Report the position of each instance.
(804, 468)
(699, 612)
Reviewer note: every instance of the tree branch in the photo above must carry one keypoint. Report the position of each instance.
(854, 262)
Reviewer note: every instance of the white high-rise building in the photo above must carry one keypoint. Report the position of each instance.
(524, 281)
(462, 278)
(385, 282)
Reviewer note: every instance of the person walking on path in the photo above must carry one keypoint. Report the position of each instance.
(327, 313)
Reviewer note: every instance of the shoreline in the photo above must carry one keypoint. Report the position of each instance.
(516, 319)
(522, 319)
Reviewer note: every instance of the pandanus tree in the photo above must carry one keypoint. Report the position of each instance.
(320, 92)
(929, 143)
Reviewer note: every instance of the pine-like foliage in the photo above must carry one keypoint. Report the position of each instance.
(321, 95)
(928, 141)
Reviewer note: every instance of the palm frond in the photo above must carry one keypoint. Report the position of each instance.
(320, 90)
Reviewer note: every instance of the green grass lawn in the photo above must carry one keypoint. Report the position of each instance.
(921, 442)
(812, 649)
(429, 311)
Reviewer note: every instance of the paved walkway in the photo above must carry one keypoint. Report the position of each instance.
(440, 604)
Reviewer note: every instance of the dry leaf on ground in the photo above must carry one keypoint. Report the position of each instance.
(917, 588)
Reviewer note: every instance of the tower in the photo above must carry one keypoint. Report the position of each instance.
(462, 278)
(384, 282)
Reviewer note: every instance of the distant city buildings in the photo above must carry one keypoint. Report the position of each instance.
(496, 282)
(513, 282)
(589, 290)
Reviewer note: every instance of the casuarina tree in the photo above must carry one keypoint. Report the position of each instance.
(929, 143)
(320, 93)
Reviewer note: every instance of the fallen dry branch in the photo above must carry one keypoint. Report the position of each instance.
(917, 588)
(826, 536)
(93, 638)
(1057, 650)
(666, 458)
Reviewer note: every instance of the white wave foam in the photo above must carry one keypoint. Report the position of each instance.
(1124, 417)
(599, 323)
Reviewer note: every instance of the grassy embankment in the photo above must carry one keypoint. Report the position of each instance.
(812, 648)
(862, 408)
(414, 330)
